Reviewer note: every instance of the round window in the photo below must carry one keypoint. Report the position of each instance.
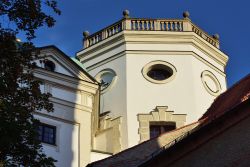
(106, 78)
(211, 83)
(159, 72)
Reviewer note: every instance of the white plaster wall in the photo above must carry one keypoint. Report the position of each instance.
(114, 100)
(143, 96)
(203, 99)
(96, 156)
(58, 67)
(103, 141)
(68, 95)
(185, 94)
(67, 145)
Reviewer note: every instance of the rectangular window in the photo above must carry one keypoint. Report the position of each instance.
(157, 130)
(47, 134)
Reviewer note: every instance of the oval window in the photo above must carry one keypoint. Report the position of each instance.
(106, 78)
(159, 72)
(211, 83)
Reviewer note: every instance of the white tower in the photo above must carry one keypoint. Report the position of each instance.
(154, 72)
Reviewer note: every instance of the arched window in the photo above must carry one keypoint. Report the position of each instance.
(49, 65)
(107, 79)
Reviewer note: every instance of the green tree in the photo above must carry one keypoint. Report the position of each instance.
(20, 95)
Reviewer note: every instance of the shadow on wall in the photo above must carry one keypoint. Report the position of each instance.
(75, 97)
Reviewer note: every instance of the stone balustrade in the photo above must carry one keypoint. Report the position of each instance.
(134, 24)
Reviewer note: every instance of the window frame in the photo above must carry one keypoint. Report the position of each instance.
(161, 65)
(42, 135)
(161, 125)
(99, 75)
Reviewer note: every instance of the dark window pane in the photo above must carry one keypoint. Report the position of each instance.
(157, 130)
(167, 128)
(40, 132)
(159, 74)
(47, 133)
(49, 65)
(154, 131)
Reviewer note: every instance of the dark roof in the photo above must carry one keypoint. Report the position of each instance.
(70, 60)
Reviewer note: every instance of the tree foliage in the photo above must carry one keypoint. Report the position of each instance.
(20, 94)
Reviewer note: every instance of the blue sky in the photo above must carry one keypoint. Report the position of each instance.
(228, 18)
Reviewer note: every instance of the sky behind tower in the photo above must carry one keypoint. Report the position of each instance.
(228, 18)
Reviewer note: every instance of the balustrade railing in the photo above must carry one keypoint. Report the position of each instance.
(181, 25)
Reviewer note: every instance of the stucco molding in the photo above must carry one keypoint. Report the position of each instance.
(159, 37)
(113, 126)
(160, 114)
(161, 52)
(167, 65)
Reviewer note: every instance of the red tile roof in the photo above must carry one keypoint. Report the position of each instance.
(142, 152)
(229, 99)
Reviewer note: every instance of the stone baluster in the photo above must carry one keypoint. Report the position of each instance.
(103, 34)
(167, 25)
(162, 25)
(90, 42)
(109, 32)
(171, 26)
(145, 25)
(142, 25)
(96, 38)
(151, 24)
(175, 26)
(133, 25)
(154, 25)
(116, 29)
(181, 26)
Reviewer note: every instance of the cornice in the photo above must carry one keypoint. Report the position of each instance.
(65, 81)
(147, 52)
(163, 37)
(154, 37)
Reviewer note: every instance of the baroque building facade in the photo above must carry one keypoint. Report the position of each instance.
(154, 72)
(141, 78)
